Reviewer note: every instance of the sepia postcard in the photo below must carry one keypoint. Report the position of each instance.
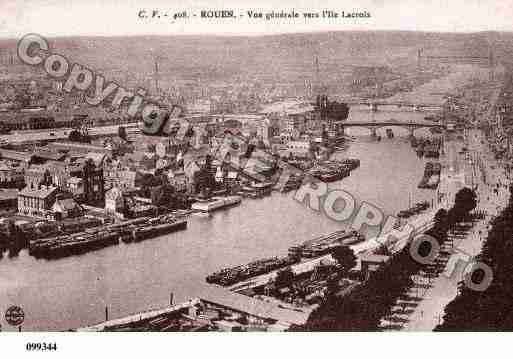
(254, 166)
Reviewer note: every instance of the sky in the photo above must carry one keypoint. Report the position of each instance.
(120, 17)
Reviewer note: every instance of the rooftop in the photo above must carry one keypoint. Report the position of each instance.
(49, 155)
(38, 193)
(374, 258)
(6, 194)
(251, 306)
(77, 146)
(66, 204)
(16, 155)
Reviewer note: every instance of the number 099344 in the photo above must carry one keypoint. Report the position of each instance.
(41, 346)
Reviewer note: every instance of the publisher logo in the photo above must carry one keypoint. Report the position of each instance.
(14, 315)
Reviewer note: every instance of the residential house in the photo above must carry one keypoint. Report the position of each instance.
(299, 148)
(66, 208)
(170, 146)
(178, 180)
(232, 179)
(126, 179)
(140, 161)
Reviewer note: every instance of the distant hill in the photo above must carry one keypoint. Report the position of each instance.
(280, 58)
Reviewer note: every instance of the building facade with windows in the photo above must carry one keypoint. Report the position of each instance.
(37, 203)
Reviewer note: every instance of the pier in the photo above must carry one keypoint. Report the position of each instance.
(202, 313)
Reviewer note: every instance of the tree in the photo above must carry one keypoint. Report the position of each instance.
(465, 199)
(163, 195)
(332, 286)
(440, 217)
(345, 257)
(464, 202)
(74, 136)
(22, 100)
(122, 133)
(440, 226)
(284, 277)
(78, 136)
(490, 309)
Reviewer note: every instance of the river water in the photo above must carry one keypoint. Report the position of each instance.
(74, 291)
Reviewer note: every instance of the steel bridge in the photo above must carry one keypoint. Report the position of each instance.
(373, 126)
(374, 104)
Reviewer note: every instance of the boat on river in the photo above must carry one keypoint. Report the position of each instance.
(216, 203)
(159, 229)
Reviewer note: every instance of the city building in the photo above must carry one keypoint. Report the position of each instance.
(178, 180)
(76, 147)
(91, 174)
(83, 178)
(18, 157)
(293, 115)
(37, 202)
(66, 208)
(37, 176)
(115, 201)
(11, 177)
(171, 147)
(299, 148)
(125, 179)
(9, 199)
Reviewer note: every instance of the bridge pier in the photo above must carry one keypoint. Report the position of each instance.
(411, 132)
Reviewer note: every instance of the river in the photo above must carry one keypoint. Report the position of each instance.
(74, 291)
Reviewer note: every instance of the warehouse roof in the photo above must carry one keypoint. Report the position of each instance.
(251, 306)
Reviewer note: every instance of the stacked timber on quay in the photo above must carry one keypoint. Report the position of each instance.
(312, 248)
(229, 276)
(431, 177)
(324, 244)
(416, 209)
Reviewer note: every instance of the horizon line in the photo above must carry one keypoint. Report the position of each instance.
(262, 34)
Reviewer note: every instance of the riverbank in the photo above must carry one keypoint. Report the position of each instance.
(131, 278)
(434, 293)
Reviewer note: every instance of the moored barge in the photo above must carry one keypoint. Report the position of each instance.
(216, 203)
